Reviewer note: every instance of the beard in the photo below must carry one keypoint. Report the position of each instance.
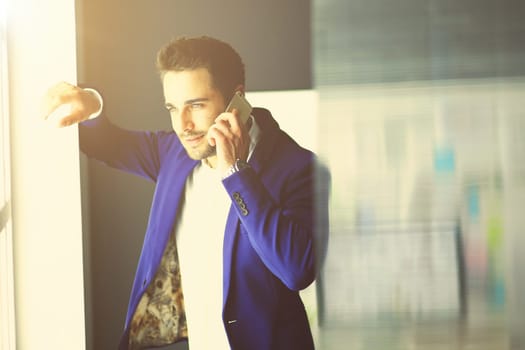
(198, 152)
(201, 153)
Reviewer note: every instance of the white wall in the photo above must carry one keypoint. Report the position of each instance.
(47, 229)
(295, 111)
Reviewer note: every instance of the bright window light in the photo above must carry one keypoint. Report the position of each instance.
(7, 320)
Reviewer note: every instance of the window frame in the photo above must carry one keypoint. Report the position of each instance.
(7, 303)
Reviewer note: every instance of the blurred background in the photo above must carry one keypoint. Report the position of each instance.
(420, 120)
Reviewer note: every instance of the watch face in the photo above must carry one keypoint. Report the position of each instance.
(240, 164)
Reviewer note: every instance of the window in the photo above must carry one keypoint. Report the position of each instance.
(7, 325)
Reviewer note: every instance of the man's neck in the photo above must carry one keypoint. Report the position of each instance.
(210, 161)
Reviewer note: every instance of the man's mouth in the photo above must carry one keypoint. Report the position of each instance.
(193, 140)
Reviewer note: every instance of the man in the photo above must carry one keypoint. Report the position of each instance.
(234, 209)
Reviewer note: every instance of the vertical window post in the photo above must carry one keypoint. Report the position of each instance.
(7, 305)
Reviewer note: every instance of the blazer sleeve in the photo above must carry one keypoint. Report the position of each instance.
(289, 233)
(136, 152)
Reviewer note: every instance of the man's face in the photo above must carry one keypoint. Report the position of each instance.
(193, 104)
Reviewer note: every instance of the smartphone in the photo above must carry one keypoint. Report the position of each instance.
(243, 107)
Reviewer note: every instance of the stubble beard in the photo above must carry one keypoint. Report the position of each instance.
(200, 154)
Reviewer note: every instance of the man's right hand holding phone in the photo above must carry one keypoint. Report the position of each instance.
(229, 134)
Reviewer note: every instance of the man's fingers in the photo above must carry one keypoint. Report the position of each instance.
(56, 96)
(230, 117)
(214, 135)
(70, 119)
(50, 104)
(224, 128)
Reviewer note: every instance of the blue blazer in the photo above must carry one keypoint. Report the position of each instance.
(275, 235)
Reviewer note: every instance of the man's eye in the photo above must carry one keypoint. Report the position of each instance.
(197, 105)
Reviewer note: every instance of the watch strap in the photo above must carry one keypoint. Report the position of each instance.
(236, 167)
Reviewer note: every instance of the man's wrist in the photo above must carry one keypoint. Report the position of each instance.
(96, 94)
(236, 167)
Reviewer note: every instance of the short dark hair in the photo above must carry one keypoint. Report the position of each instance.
(220, 59)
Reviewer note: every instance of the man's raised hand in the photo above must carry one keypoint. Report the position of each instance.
(82, 103)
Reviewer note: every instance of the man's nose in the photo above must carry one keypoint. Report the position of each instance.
(183, 122)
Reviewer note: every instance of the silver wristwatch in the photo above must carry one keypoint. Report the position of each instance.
(236, 167)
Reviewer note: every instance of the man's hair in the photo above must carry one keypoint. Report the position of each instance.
(222, 62)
